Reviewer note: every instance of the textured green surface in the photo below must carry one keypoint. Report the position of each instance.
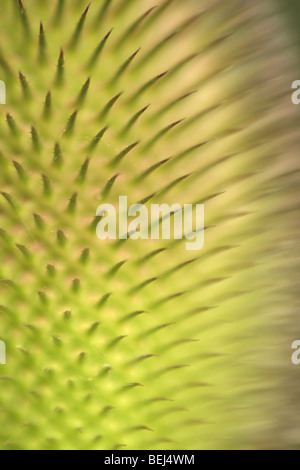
(143, 344)
(290, 12)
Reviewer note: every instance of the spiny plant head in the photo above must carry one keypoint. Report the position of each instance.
(142, 344)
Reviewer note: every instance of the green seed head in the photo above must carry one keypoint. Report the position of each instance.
(141, 343)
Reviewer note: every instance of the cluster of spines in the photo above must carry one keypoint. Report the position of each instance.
(113, 265)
